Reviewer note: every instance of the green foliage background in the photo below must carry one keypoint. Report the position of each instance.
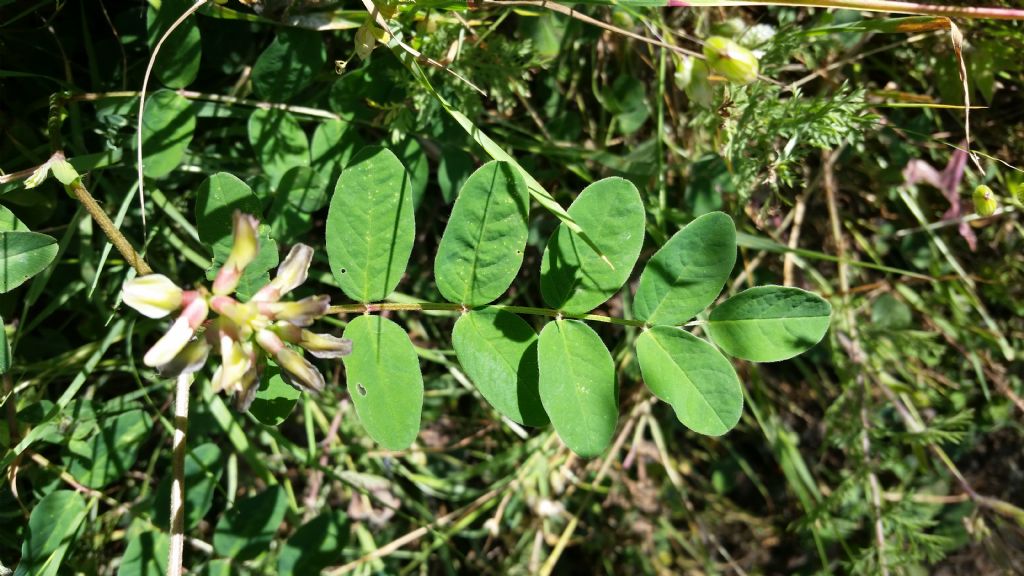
(893, 445)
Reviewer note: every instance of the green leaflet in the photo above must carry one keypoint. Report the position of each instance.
(370, 225)
(411, 153)
(574, 278)
(218, 198)
(203, 467)
(453, 170)
(301, 192)
(482, 247)
(245, 531)
(315, 545)
(22, 256)
(51, 530)
(769, 323)
(109, 453)
(5, 350)
(498, 350)
(178, 62)
(288, 64)
(688, 272)
(384, 380)
(168, 123)
(577, 386)
(146, 554)
(333, 144)
(278, 141)
(275, 398)
(9, 222)
(693, 377)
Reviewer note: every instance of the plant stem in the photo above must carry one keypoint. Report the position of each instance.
(116, 238)
(176, 553)
(898, 7)
(447, 307)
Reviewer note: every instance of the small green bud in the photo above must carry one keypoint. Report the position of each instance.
(985, 202)
(731, 60)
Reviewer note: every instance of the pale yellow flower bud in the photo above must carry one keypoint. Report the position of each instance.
(292, 272)
(300, 313)
(325, 345)
(153, 295)
(295, 369)
(243, 252)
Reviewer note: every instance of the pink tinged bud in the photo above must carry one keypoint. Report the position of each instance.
(189, 360)
(243, 252)
(300, 313)
(325, 345)
(295, 369)
(298, 371)
(153, 295)
(172, 343)
(290, 274)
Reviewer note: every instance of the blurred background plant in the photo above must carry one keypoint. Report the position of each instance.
(893, 447)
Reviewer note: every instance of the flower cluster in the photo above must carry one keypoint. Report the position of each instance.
(243, 333)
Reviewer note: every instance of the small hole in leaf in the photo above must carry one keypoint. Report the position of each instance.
(343, 270)
(362, 389)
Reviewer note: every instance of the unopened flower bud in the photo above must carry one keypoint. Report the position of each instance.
(180, 333)
(153, 295)
(191, 358)
(300, 313)
(236, 362)
(295, 369)
(985, 202)
(325, 345)
(243, 252)
(292, 272)
(734, 62)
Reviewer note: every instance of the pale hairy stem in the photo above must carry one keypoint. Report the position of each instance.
(176, 553)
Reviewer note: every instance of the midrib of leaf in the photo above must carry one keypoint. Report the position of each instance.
(700, 392)
(493, 347)
(572, 373)
(768, 319)
(471, 283)
(369, 247)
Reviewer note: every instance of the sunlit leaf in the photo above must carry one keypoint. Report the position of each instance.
(769, 323)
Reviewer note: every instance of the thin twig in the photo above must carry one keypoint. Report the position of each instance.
(142, 98)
